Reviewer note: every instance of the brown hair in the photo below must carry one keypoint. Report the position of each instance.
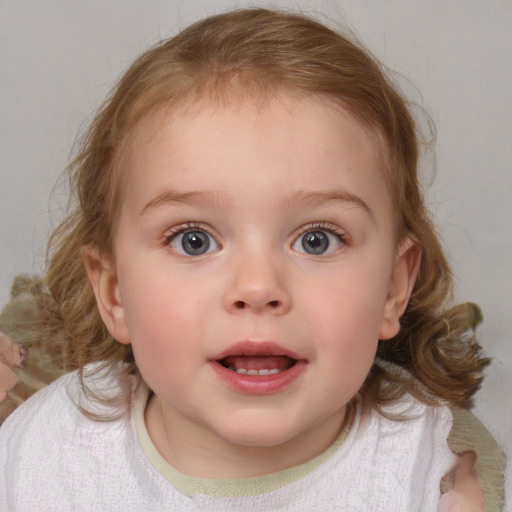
(261, 52)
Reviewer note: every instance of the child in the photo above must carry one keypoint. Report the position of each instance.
(253, 295)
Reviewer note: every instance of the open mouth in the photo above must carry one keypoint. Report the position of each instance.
(257, 365)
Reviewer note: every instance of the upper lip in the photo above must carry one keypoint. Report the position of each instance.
(255, 349)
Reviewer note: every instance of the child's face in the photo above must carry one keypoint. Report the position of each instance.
(257, 240)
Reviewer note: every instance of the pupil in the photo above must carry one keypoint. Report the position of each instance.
(315, 242)
(195, 242)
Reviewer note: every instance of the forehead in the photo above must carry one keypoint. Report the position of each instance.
(236, 98)
(217, 145)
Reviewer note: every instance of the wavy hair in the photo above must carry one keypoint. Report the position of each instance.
(259, 53)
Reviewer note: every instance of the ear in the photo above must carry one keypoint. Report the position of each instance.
(401, 284)
(103, 278)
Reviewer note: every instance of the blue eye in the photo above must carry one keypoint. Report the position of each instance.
(192, 242)
(318, 242)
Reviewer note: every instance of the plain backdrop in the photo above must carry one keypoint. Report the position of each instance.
(59, 58)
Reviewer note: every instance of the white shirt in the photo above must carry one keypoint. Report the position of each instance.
(54, 458)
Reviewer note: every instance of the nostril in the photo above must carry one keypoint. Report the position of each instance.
(240, 304)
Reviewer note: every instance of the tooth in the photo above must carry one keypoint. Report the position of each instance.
(264, 371)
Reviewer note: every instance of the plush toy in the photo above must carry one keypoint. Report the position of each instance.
(25, 364)
(11, 355)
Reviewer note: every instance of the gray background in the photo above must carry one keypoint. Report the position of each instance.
(58, 59)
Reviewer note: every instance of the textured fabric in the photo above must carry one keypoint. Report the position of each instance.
(468, 434)
(53, 458)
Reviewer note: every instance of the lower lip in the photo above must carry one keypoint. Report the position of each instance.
(258, 384)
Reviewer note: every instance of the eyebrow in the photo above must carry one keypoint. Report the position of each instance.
(297, 200)
(315, 199)
(171, 197)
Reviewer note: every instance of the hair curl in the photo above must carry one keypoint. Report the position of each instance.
(259, 53)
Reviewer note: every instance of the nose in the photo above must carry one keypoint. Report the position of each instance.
(257, 285)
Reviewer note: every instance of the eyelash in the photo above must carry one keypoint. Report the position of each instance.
(189, 226)
(323, 226)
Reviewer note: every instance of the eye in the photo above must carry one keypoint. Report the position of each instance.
(319, 242)
(192, 242)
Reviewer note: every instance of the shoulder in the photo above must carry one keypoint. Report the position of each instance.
(400, 452)
(29, 445)
(50, 448)
(477, 464)
(57, 410)
(452, 443)
(39, 411)
(45, 423)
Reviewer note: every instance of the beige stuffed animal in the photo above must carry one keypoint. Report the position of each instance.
(25, 365)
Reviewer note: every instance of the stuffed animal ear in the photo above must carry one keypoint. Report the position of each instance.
(401, 284)
(103, 277)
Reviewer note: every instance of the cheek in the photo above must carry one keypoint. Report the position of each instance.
(162, 317)
(346, 345)
(347, 334)
(344, 322)
(350, 304)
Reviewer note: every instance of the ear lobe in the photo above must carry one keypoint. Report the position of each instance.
(401, 285)
(103, 278)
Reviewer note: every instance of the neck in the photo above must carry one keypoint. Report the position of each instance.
(196, 451)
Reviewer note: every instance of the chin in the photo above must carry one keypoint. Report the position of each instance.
(259, 432)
